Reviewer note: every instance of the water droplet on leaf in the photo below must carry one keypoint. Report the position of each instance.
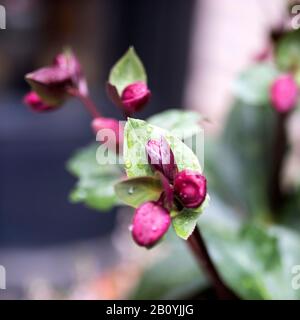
(131, 190)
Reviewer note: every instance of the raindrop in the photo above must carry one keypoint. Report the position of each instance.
(131, 190)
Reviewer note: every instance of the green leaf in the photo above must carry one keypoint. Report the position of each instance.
(185, 222)
(180, 123)
(136, 135)
(95, 185)
(245, 150)
(252, 86)
(255, 260)
(127, 70)
(287, 51)
(136, 191)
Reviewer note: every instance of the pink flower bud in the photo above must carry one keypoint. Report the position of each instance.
(161, 158)
(190, 188)
(114, 130)
(284, 93)
(150, 222)
(69, 62)
(34, 102)
(135, 96)
(53, 82)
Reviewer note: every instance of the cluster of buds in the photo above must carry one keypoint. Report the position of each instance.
(284, 93)
(184, 189)
(52, 85)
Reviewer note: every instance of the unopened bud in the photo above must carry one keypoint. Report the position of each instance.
(35, 103)
(115, 127)
(161, 158)
(190, 188)
(284, 93)
(52, 83)
(150, 222)
(135, 96)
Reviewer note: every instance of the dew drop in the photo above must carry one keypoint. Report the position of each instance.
(131, 190)
(149, 129)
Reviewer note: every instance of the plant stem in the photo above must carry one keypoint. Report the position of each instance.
(86, 101)
(198, 247)
(279, 148)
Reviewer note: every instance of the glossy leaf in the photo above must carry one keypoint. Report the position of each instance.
(127, 70)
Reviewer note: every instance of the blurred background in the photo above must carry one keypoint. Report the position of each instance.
(192, 50)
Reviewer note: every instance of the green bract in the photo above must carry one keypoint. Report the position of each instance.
(127, 70)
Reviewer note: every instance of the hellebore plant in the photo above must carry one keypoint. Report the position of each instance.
(252, 227)
(165, 183)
